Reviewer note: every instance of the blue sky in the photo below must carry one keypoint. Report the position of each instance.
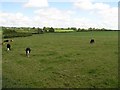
(61, 14)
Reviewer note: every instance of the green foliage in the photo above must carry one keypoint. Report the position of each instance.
(92, 29)
(45, 29)
(48, 29)
(74, 28)
(40, 31)
(12, 35)
(51, 29)
(9, 33)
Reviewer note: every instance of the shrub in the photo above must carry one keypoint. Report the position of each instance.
(8, 33)
(12, 35)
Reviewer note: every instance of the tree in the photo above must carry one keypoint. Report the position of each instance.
(51, 29)
(68, 28)
(44, 29)
(103, 29)
(40, 31)
(74, 28)
(90, 29)
(82, 29)
(33, 28)
(78, 30)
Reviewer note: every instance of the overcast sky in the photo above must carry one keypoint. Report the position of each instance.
(59, 13)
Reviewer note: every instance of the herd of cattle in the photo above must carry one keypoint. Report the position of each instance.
(28, 50)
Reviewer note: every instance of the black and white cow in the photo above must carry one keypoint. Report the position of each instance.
(28, 50)
(8, 47)
(92, 41)
(8, 41)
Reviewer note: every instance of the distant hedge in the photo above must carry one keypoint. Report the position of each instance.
(11, 35)
(8, 33)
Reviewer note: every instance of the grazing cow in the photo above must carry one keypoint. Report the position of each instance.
(92, 41)
(8, 47)
(28, 50)
(8, 40)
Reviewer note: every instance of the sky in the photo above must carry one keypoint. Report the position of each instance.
(59, 13)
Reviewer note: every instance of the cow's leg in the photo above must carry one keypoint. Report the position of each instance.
(28, 52)
(8, 49)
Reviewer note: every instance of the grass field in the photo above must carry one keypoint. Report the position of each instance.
(62, 60)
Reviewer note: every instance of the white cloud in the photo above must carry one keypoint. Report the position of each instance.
(54, 14)
(50, 17)
(100, 6)
(13, 0)
(54, 17)
(87, 5)
(109, 17)
(13, 19)
(106, 15)
(62, 0)
(36, 3)
(83, 0)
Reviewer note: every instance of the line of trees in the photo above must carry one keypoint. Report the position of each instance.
(83, 29)
(51, 29)
(91, 29)
(27, 31)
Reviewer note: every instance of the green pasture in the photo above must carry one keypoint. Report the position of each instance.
(62, 60)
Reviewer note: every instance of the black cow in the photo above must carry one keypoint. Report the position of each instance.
(92, 41)
(28, 50)
(8, 47)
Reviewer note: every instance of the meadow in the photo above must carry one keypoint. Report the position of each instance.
(62, 60)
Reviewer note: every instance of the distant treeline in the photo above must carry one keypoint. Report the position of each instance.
(10, 32)
(83, 29)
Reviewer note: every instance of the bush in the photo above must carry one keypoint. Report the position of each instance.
(8, 33)
(12, 35)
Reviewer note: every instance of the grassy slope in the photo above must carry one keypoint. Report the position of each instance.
(62, 60)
